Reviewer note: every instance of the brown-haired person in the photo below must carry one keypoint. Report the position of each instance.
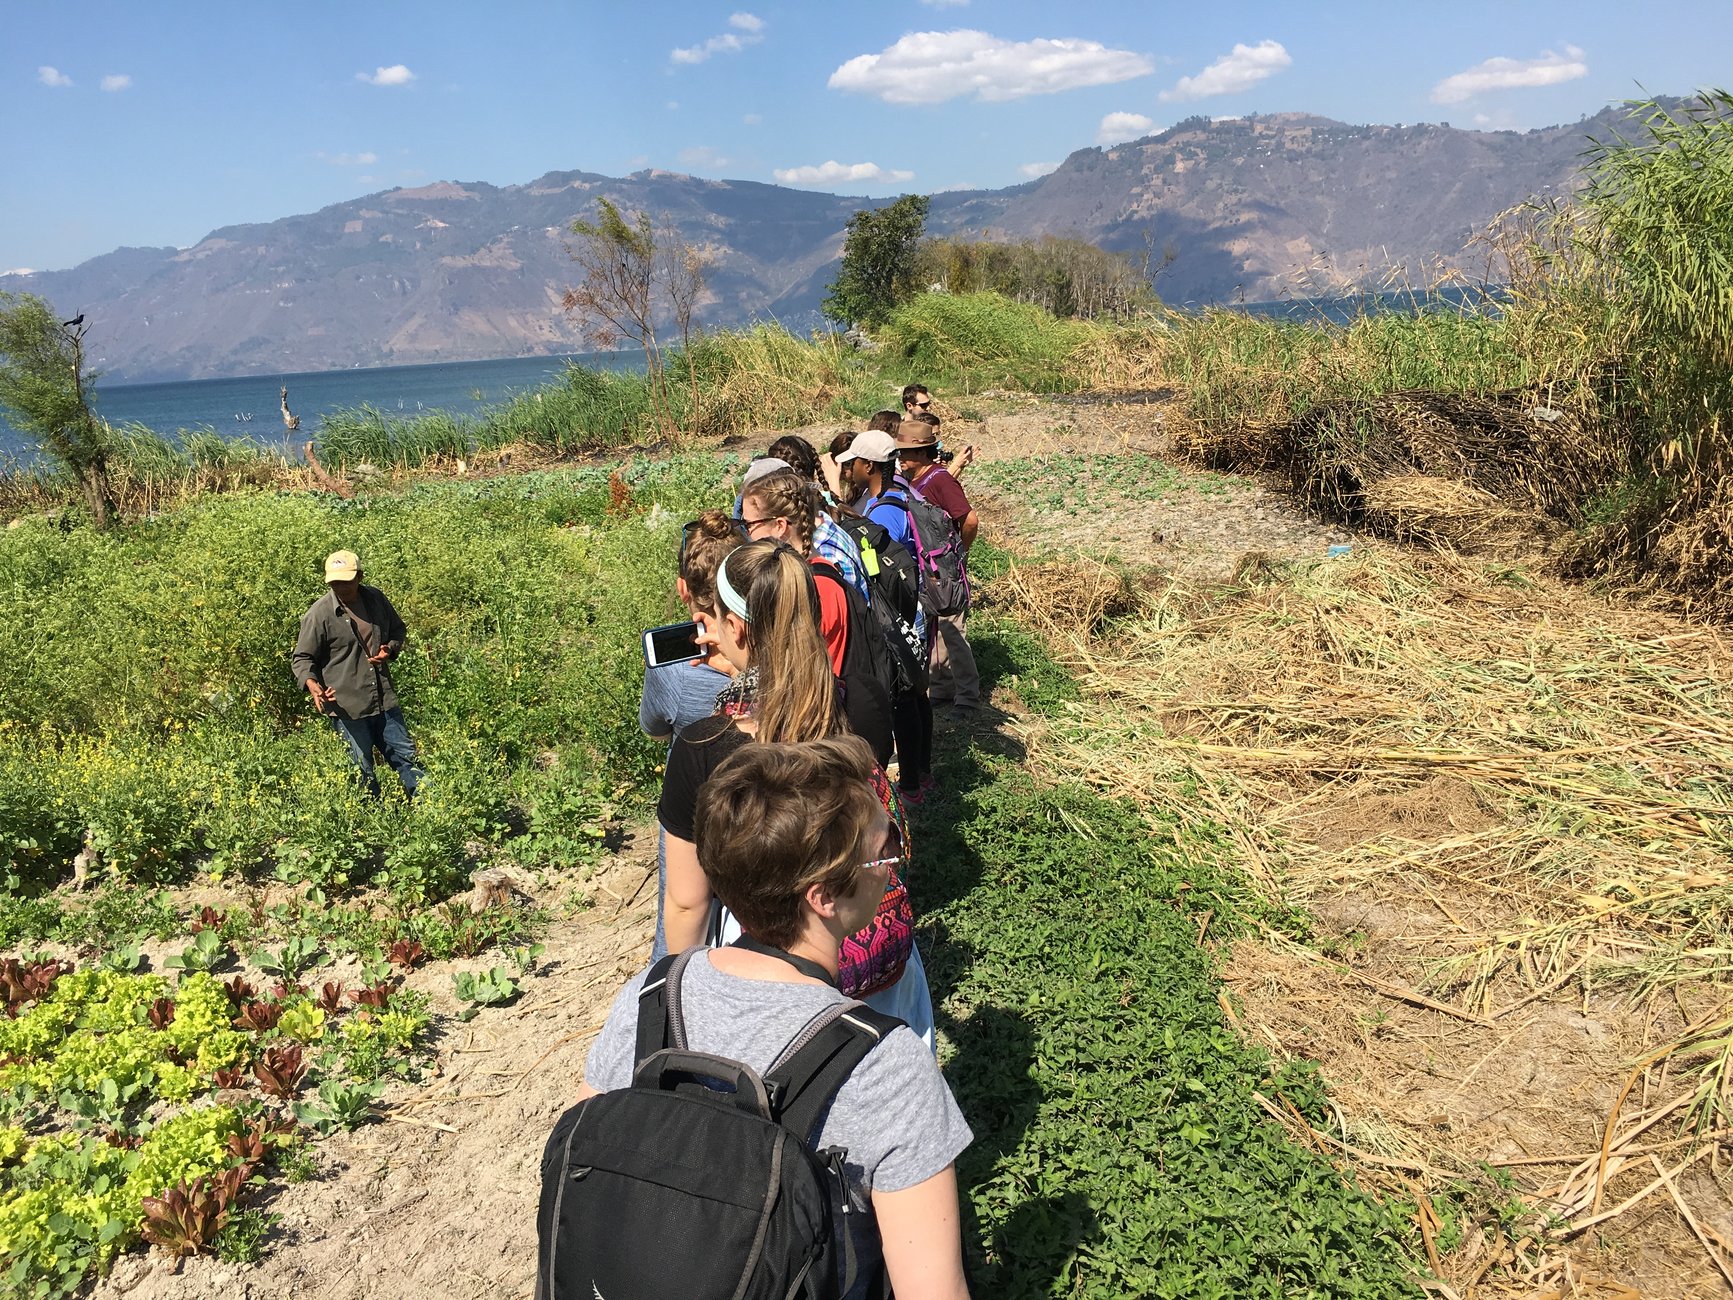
(835, 482)
(678, 694)
(799, 847)
(783, 507)
(784, 693)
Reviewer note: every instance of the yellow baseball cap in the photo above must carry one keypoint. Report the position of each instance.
(342, 566)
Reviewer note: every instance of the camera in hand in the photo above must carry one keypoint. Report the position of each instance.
(673, 644)
(946, 457)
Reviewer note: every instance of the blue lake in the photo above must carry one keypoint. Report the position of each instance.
(249, 406)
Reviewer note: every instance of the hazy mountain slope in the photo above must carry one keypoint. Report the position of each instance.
(1253, 207)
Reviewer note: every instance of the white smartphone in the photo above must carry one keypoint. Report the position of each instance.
(676, 643)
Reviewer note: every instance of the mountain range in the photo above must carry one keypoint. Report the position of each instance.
(1249, 209)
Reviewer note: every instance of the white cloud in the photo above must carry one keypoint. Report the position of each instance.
(748, 30)
(364, 159)
(1032, 170)
(835, 173)
(395, 75)
(1240, 69)
(752, 119)
(1117, 128)
(51, 76)
(704, 156)
(1508, 74)
(19, 270)
(931, 67)
(116, 81)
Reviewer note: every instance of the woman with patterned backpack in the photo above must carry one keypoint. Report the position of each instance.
(786, 692)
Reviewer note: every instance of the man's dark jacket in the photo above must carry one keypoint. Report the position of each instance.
(329, 649)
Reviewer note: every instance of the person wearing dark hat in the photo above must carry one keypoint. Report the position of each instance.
(918, 405)
(955, 679)
(343, 660)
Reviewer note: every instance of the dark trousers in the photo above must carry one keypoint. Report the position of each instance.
(912, 724)
(387, 733)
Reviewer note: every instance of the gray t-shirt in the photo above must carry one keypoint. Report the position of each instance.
(895, 1116)
(677, 695)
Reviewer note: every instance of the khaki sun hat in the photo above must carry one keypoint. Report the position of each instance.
(914, 433)
(873, 445)
(342, 566)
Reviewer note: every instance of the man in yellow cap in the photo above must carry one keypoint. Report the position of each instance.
(343, 660)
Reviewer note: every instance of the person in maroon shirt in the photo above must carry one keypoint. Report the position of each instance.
(955, 679)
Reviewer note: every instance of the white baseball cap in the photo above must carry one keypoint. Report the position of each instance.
(874, 445)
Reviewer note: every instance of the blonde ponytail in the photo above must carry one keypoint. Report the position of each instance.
(796, 689)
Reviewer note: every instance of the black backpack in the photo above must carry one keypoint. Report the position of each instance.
(869, 677)
(674, 1187)
(893, 578)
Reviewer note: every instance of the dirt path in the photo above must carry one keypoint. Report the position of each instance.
(440, 1200)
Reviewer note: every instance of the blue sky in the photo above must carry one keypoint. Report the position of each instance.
(154, 124)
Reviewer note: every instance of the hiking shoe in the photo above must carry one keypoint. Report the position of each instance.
(929, 783)
(912, 798)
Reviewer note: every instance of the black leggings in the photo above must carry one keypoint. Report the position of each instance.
(912, 724)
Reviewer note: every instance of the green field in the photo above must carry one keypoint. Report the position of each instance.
(1118, 1147)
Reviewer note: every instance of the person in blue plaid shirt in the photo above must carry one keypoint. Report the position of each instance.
(828, 541)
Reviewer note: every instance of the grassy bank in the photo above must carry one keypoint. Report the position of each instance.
(151, 712)
(1122, 1146)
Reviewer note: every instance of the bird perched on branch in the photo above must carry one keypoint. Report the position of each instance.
(74, 323)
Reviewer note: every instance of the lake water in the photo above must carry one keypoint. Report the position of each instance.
(250, 406)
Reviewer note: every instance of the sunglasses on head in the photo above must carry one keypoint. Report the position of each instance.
(686, 531)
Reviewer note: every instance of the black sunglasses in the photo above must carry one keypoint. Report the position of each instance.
(686, 531)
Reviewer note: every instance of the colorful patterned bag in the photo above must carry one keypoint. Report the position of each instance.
(874, 957)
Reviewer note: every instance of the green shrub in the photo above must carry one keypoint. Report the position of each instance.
(38, 836)
(983, 340)
(164, 718)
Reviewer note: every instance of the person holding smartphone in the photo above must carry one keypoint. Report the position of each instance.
(679, 692)
(684, 690)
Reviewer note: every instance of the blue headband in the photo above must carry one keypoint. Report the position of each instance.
(731, 599)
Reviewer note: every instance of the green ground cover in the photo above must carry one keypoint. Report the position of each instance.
(1065, 484)
(1118, 1147)
(150, 708)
